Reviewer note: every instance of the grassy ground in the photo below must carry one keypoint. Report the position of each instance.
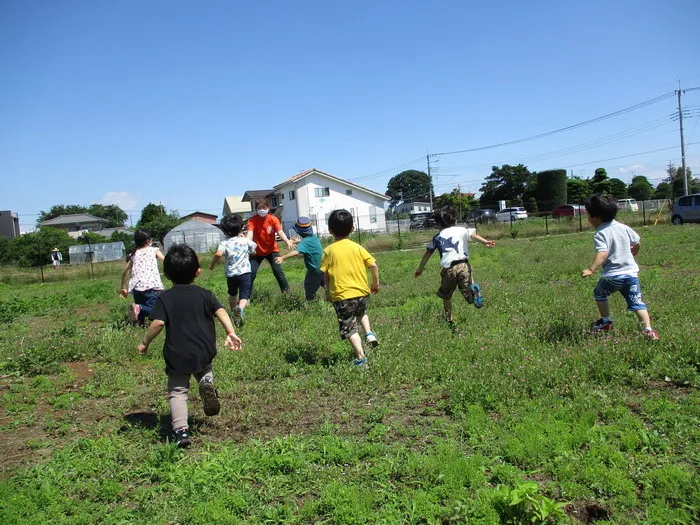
(522, 417)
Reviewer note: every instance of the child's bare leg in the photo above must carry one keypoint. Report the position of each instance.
(364, 322)
(356, 343)
(643, 317)
(243, 303)
(447, 306)
(603, 308)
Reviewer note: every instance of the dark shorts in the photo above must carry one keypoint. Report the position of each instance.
(312, 282)
(242, 284)
(348, 312)
(627, 285)
(458, 275)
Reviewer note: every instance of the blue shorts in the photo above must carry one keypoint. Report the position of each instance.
(242, 283)
(627, 285)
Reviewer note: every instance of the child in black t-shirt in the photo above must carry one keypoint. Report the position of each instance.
(187, 312)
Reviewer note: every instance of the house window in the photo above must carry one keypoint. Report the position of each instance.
(348, 192)
(281, 196)
(322, 192)
(292, 196)
(274, 202)
(372, 214)
(327, 216)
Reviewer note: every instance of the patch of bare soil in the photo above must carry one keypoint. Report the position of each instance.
(587, 512)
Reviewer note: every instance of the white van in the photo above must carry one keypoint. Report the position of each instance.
(627, 205)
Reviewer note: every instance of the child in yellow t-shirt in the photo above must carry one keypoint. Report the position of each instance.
(344, 266)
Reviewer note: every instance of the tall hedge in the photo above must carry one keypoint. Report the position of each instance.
(551, 189)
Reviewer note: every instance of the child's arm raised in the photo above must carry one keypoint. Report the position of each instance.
(232, 340)
(282, 235)
(154, 329)
(423, 262)
(280, 260)
(485, 242)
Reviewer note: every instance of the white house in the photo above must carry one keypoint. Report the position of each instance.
(315, 194)
(413, 207)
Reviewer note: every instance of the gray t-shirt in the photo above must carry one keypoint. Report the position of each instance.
(236, 251)
(617, 239)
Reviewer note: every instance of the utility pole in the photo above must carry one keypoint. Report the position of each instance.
(680, 121)
(459, 200)
(430, 182)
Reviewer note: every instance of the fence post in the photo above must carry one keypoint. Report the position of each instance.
(42, 272)
(475, 230)
(359, 232)
(511, 220)
(644, 214)
(398, 229)
(580, 220)
(546, 224)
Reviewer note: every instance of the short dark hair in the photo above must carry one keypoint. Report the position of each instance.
(340, 223)
(141, 237)
(232, 225)
(181, 264)
(445, 217)
(603, 207)
(262, 203)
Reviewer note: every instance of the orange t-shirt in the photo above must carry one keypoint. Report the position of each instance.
(264, 230)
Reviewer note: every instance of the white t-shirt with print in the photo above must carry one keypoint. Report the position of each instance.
(236, 250)
(144, 270)
(452, 244)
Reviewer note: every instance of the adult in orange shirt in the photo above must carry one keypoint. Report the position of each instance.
(262, 228)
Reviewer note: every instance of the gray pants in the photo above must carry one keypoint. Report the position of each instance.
(312, 282)
(178, 387)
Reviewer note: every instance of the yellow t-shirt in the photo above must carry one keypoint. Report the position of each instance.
(346, 264)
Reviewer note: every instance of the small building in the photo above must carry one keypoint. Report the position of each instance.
(315, 194)
(85, 253)
(107, 232)
(235, 204)
(198, 235)
(200, 216)
(251, 196)
(9, 224)
(76, 223)
(413, 207)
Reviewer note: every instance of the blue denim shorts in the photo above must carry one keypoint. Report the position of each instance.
(627, 285)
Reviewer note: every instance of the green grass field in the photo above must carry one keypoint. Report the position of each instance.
(523, 416)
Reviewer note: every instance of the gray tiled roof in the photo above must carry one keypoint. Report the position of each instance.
(73, 218)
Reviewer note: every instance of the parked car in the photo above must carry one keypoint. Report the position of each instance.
(568, 210)
(422, 221)
(482, 216)
(627, 205)
(686, 209)
(516, 214)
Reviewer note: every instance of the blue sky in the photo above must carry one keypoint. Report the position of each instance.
(184, 103)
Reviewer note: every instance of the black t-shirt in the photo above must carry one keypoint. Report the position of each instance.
(190, 335)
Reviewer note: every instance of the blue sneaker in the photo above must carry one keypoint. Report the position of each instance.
(478, 298)
(360, 363)
(371, 339)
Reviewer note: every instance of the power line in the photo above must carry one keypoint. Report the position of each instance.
(566, 128)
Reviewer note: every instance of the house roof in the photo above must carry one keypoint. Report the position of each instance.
(199, 214)
(234, 204)
(73, 218)
(414, 202)
(312, 171)
(251, 195)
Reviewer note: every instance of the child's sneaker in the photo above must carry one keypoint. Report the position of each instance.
(371, 339)
(210, 398)
(238, 316)
(476, 292)
(652, 335)
(602, 326)
(182, 437)
(452, 326)
(360, 363)
(134, 311)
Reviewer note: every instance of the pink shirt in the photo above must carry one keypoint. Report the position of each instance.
(144, 270)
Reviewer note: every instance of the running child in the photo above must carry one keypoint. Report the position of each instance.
(187, 313)
(616, 245)
(236, 250)
(452, 244)
(145, 283)
(310, 247)
(344, 266)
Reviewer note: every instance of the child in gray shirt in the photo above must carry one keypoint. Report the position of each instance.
(616, 245)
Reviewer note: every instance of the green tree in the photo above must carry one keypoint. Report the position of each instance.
(126, 238)
(531, 205)
(600, 182)
(577, 190)
(640, 188)
(551, 189)
(32, 249)
(58, 210)
(675, 178)
(156, 221)
(459, 201)
(113, 213)
(409, 186)
(618, 188)
(663, 191)
(506, 183)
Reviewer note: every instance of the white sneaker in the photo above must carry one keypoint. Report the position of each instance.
(371, 339)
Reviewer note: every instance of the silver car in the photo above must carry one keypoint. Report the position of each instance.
(686, 209)
(514, 214)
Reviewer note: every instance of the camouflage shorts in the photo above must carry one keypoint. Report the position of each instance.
(459, 275)
(348, 312)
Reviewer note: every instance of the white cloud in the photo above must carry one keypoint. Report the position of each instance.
(123, 199)
(631, 168)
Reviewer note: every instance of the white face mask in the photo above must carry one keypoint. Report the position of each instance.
(262, 213)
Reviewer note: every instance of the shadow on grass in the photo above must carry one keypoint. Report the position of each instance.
(150, 420)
